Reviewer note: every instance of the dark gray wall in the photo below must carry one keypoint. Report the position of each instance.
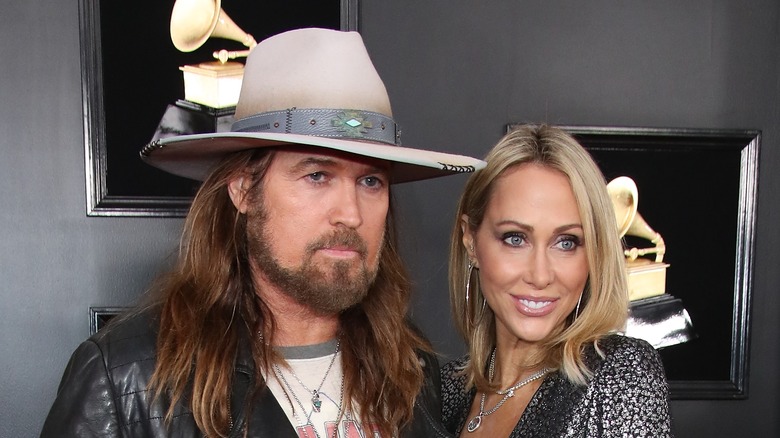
(457, 71)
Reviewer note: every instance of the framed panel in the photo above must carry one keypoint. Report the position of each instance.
(697, 188)
(130, 74)
(100, 316)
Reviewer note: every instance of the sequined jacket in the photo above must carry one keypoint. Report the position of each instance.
(627, 397)
(104, 393)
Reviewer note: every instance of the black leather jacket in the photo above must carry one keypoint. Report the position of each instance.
(104, 393)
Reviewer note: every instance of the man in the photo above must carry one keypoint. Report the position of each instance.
(286, 313)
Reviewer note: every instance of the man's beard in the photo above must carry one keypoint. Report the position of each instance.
(327, 288)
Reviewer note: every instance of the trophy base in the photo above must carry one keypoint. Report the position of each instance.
(213, 84)
(184, 118)
(662, 321)
(646, 279)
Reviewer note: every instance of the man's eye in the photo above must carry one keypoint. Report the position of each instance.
(316, 176)
(372, 181)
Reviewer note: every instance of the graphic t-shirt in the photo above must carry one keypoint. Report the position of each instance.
(315, 417)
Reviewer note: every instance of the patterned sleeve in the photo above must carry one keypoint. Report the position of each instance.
(632, 392)
(455, 400)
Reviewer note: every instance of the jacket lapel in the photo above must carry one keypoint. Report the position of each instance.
(267, 419)
(263, 416)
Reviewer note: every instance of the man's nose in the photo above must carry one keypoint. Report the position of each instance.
(346, 207)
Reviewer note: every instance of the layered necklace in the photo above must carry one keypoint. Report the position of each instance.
(507, 393)
(316, 401)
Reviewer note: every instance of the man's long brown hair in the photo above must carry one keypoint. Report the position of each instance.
(209, 306)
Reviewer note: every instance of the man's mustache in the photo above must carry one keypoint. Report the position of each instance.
(346, 238)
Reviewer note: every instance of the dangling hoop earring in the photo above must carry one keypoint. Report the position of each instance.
(577, 309)
(472, 315)
(469, 271)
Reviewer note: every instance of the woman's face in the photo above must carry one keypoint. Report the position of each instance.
(530, 251)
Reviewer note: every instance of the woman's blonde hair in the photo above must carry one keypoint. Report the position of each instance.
(604, 305)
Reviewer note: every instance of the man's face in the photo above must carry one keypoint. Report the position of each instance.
(316, 226)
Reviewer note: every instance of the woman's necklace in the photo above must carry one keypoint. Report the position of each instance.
(507, 393)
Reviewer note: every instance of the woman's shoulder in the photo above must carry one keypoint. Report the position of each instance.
(618, 347)
(456, 399)
(629, 387)
(626, 357)
(453, 379)
(452, 371)
(619, 342)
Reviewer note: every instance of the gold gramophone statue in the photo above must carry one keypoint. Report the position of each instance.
(211, 88)
(655, 316)
(646, 277)
(216, 83)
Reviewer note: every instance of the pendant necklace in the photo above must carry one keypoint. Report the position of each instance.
(507, 393)
(280, 376)
(316, 402)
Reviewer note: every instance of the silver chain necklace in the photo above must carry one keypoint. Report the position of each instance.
(316, 402)
(315, 394)
(507, 393)
(308, 422)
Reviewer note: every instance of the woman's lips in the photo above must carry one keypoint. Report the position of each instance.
(531, 306)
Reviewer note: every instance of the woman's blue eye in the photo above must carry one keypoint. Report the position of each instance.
(568, 243)
(514, 239)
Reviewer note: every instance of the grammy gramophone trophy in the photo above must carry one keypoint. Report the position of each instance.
(646, 277)
(211, 88)
(215, 83)
(655, 315)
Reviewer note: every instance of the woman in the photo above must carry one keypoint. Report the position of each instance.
(538, 292)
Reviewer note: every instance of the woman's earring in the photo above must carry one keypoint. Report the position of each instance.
(471, 314)
(469, 271)
(577, 309)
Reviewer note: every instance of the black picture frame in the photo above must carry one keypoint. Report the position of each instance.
(698, 188)
(100, 316)
(130, 73)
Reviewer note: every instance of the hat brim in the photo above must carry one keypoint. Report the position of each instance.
(194, 156)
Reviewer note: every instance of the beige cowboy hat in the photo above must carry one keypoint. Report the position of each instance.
(313, 87)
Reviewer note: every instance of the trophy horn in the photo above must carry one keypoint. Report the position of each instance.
(625, 201)
(195, 21)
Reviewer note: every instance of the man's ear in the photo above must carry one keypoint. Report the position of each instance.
(238, 193)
